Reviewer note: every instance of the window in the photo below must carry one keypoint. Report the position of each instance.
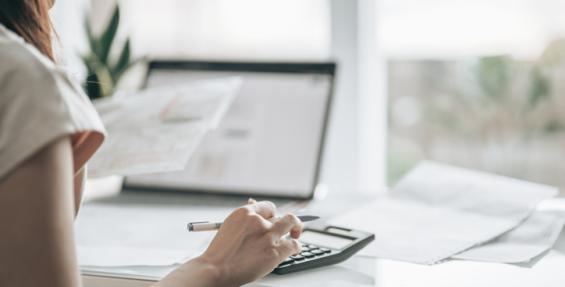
(477, 84)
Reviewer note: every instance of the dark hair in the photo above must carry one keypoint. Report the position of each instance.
(30, 20)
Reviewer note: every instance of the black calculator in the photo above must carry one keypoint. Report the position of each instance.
(325, 245)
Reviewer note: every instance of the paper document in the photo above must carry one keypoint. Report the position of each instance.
(117, 256)
(157, 130)
(141, 234)
(437, 211)
(522, 245)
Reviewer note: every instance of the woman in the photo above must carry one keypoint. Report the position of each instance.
(48, 131)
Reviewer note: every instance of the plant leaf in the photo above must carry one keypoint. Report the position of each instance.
(123, 61)
(106, 82)
(92, 41)
(130, 64)
(108, 36)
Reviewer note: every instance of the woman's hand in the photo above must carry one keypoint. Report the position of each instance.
(248, 246)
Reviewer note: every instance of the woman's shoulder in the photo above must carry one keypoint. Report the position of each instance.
(40, 102)
(29, 80)
(21, 62)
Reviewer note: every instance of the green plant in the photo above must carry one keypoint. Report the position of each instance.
(104, 72)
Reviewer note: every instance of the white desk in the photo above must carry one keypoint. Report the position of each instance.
(360, 271)
(364, 271)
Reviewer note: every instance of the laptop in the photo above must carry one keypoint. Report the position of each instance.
(271, 140)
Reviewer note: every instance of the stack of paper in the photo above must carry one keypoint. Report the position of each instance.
(157, 130)
(523, 245)
(438, 212)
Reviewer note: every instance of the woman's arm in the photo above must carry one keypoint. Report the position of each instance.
(78, 186)
(36, 219)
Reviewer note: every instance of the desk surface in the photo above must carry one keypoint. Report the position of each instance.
(361, 271)
(365, 271)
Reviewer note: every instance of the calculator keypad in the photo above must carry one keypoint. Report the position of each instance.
(297, 257)
(309, 252)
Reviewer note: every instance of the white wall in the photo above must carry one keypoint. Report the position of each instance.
(259, 29)
(67, 18)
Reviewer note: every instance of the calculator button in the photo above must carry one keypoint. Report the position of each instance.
(286, 261)
(297, 257)
(317, 252)
(325, 250)
(307, 254)
(312, 246)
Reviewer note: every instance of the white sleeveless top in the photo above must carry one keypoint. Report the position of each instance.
(39, 103)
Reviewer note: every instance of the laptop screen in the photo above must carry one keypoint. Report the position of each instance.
(271, 138)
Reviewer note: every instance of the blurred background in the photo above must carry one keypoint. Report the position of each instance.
(478, 84)
(475, 83)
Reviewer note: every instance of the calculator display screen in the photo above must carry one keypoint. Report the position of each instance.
(326, 240)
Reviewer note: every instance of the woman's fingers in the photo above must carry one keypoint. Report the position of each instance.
(288, 247)
(266, 209)
(288, 223)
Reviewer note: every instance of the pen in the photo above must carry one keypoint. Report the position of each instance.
(208, 226)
